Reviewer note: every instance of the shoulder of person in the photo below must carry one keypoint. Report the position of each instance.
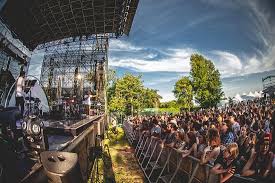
(271, 155)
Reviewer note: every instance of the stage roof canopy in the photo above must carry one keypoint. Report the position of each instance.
(36, 22)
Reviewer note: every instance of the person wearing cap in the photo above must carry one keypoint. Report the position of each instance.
(260, 162)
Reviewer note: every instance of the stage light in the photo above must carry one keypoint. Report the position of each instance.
(36, 129)
(79, 77)
(34, 138)
(24, 125)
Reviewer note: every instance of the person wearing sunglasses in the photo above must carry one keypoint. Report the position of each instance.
(260, 162)
(226, 163)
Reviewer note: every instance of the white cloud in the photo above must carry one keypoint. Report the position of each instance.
(179, 61)
(120, 45)
(166, 96)
(227, 63)
(162, 80)
(230, 64)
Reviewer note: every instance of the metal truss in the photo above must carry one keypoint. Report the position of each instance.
(62, 64)
(50, 20)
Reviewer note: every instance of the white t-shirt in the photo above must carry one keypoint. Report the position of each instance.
(20, 84)
(87, 100)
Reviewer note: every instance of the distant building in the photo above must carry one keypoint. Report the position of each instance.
(269, 87)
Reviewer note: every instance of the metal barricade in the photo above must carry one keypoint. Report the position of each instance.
(165, 164)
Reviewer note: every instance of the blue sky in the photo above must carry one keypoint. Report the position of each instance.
(237, 35)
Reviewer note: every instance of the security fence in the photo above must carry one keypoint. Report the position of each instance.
(164, 164)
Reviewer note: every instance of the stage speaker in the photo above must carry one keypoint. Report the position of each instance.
(61, 167)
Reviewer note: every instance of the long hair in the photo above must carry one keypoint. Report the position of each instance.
(233, 150)
(214, 135)
(192, 138)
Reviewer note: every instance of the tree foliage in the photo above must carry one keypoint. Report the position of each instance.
(151, 98)
(183, 92)
(169, 107)
(206, 82)
(169, 104)
(128, 95)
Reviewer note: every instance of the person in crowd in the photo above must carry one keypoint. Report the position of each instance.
(246, 149)
(226, 163)
(216, 136)
(234, 124)
(191, 147)
(156, 129)
(171, 137)
(202, 144)
(260, 162)
(273, 163)
(243, 135)
(213, 149)
(267, 124)
(180, 142)
(227, 135)
(273, 125)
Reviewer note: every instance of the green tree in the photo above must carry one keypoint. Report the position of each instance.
(172, 103)
(206, 82)
(183, 92)
(169, 107)
(151, 98)
(117, 104)
(129, 88)
(128, 95)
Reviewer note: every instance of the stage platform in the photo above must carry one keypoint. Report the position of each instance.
(68, 127)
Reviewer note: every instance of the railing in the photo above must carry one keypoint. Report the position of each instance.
(130, 133)
(166, 164)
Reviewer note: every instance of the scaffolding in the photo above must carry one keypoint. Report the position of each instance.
(74, 69)
(74, 35)
(44, 22)
(13, 58)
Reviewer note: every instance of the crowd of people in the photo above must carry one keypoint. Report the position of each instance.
(235, 139)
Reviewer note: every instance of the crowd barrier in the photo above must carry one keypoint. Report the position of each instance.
(130, 133)
(164, 164)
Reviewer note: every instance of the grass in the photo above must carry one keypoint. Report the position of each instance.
(118, 164)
